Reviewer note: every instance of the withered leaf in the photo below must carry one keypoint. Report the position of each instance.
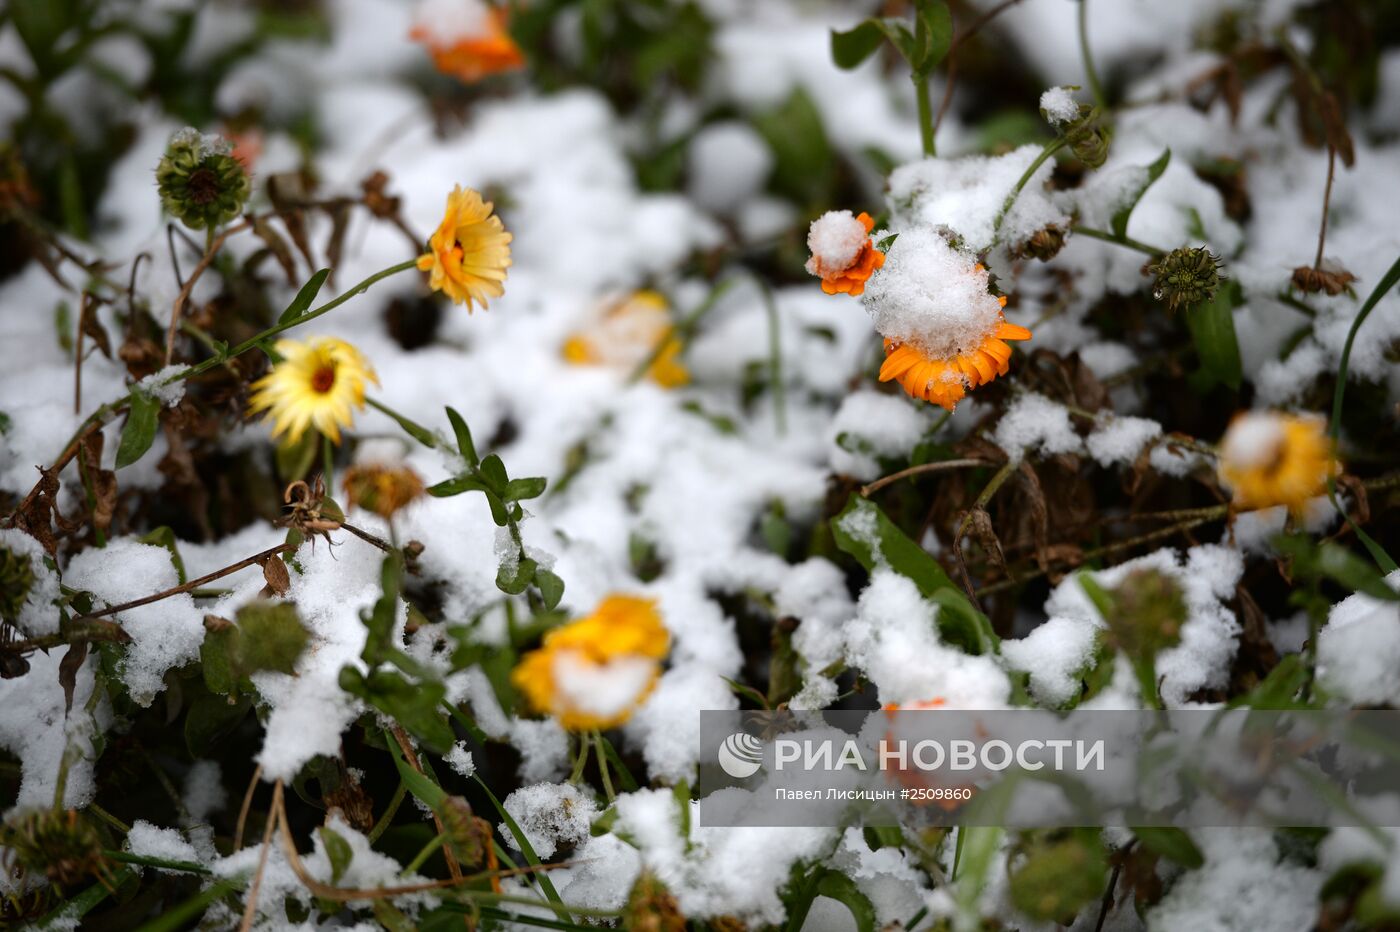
(275, 574)
(68, 669)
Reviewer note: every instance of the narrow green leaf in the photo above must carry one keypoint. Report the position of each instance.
(304, 297)
(1212, 325)
(456, 486)
(551, 587)
(139, 432)
(498, 508)
(934, 31)
(464, 437)
(527, 849)
(1119, 223)
(419, 785)
(850, 48)
(844, 890)
(521, 489)
(493, 471)
(338, 851)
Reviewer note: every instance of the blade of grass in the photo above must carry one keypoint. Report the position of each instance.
(527, 849)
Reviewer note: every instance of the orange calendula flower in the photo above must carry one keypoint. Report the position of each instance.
(467, 39)
(843, 254)
(594, 672)
(1268, 458)
(626, 334)
(470, 251)
(945, 332)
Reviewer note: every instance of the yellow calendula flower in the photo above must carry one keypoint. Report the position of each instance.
(1268, 458)
(625, 334)
(470, 251)
(594, 672)
(318, 384)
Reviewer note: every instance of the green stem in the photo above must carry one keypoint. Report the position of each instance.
(394, 802)
(921, 94)
(1090, 72)
(603, 766)
(1124, 241)
(580, 761)
(107, 817)
(327, 461)
(1045, 153)
(422, 856)
(411, 427)
(996, 482)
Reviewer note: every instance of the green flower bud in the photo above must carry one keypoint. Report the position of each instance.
(1057, 877)
(1185, 277)
(651, 907)
(200, 182)
(1091, 146)
(1147, 610)
(468, 835)
(59, 844)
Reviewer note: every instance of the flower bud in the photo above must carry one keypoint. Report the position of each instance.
(1044, 244)
(468, 835)
(1147, 611)
(1185, 277)
(201, 184)
(1057, 877)
(1091, 146)
(58, 843)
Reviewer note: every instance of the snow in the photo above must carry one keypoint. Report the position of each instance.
(1035, 423)
(931, 296)
(1253, 440)
(37, 615)
(1059, 106)
(460, 760)
(1118, 439)
(163, 385)
(728, 164)
(876, 426)
(835, 239)
(167, 844)
(1243, 885)
(552, 816)
(1358, 650)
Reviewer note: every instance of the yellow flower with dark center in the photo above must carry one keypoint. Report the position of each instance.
(594, 672)
(470, 251)
(1268, 458)
(626, 334)
(317, 384)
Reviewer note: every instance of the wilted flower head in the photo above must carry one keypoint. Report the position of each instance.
(1185, 276)
(651, 907)
(843, 254)
(317, 384)
(1268, 458)
(467, 39)
(1328, 276)
(628, 332)
(382, 488)
(1044, 244)
(470, 251)
(201, 183)
(59, 844)
(594, 672)
(944, 330)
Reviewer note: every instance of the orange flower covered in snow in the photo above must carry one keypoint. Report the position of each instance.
(470, 251)
(467, 38)
(944, 330)
(843, 254)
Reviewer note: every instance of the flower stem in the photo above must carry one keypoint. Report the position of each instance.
(603, 766)
(775, 356)
(685, 328)
(1107, 237)
(925, 114)
(1045, 153)
(327, 462)
(384, 820)
(584, 745)
(1090, 72)
(423, 855)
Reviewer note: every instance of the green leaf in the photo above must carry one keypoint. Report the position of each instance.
(418, 784)
(850, 48)
(863, 531)
(514, 580)
(934, 34)
(392, 918)
(218, 657)
(414, 704)
(551, 587)
(1171, 843)
(1119, 223)
(380, 619)
(498, 508)
(844, 890)
(804, 163)
(304, 297)
(493, 471)
(464, 437)
(1279, 690)
(338, 851)
(1212, 325)
(139, 432)
(456, 486)
(164, 536)
(521, 489)
(526, 849)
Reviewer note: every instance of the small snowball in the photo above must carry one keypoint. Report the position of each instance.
(551, 815)
(728, 164)
(835, 239)
(876, 425)
(204, 790)
(1358, 651)
(168, 395)
(460, 759)
(1034, 422)
(932, 296)
(1121, 439)
(1058, 105)
(150, 841)
(1055, 654)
